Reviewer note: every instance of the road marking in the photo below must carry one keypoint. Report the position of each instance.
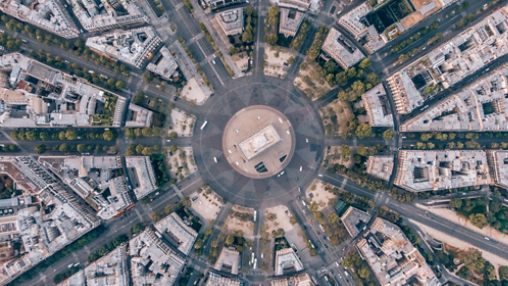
(344, 183)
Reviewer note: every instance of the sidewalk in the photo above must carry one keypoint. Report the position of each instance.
(201, 17)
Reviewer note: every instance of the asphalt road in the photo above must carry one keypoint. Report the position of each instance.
(189, 30)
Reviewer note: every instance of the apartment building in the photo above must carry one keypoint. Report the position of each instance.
(392, 257)
(49, 15)
(290, 21)
(451, 62)
(135, 47)
(105, 15)
(434, 170)
(341, 49)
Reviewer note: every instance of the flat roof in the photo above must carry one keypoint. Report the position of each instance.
(259, 142)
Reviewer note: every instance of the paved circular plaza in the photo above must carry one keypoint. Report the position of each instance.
(232, 119)
(258, 141)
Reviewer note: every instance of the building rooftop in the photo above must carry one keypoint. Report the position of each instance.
(138, 116)
(354, 220)
(259, 140)
(21, 180)
(299, 4)
(182, 234)
(341, 49)
(48, 15)
(437, 170)
(498, 163)
(228, 261)
(377, 104)
(46, 229)
(105, 15)
(37, 95)
(451, 62)
(297, 280)
(286, 261)
(392, 257)
(231, 21)
(380, 167)
(480, 106)
(352, 21)
(163, 64)
(95, 178)
(112, 269)
(218, 280)
(153, 262)
(143, 175)
(290, 21)
(135, 47)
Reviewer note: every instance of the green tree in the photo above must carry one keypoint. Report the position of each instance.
(199, 244)
(137, 228)
(120, 85)
(168, 209)
(247, 36)
(186, 202)
(425, 136)
(364, 273)
(479, 220)
(108, 135)
(230, 239)
(130, 133)
(147, 151)
(503, 273)
(139, 98)
(372, 79)
(341, 78)
(272, 39)
(273, 15)
(456, 203)
(351, 73)
(40, 149)
(81, 148)
(352, 260)
(71, 134)
(365, 64)
(14, 135)
(293, 220)
(333, 218)
(363, 130)
(173, 135)
(388, 134)
(345, 151)
(173, 148)
(44, 135)
(147, 77)
(65, 148)
(147, 131)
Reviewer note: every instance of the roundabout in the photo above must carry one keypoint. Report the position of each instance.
(258, 141)
(262, 145)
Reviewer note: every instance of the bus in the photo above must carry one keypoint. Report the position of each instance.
(204, 124)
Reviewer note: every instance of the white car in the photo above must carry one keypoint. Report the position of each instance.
(486, 238)
(213, 61)
(301, 168)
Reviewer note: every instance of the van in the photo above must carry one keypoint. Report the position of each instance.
(304, 204)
